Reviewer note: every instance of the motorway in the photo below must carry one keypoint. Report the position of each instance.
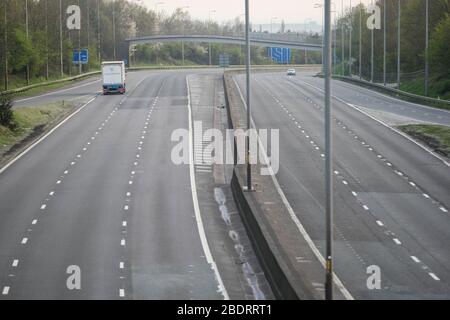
(100, 200)
(392, 196)
(101, 193)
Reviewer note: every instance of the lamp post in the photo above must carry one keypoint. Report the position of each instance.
(99, 46)
(334, 43)
(360, 40)
(114, 27)
(427, 66)
(79, 46)
(384, 42)
(271, 23)
(209, 44)
(319, 5)
(88, 28)
(184, 32)
(399, 43)
(156, 12)
(46, 39)
(350, 40)
(248, 62)
(371, 54)
(61, 40)
(28, 36)
(328, 155)
(343, 39)
(6, 46)
(307, 23)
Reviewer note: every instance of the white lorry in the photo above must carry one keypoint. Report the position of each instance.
(113, 75)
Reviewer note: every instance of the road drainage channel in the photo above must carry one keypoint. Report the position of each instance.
(247, 268)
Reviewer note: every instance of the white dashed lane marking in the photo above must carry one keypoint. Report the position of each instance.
(432, 275)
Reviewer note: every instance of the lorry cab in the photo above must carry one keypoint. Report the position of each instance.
(113, 76)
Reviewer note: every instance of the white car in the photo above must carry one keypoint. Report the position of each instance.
(291, 72)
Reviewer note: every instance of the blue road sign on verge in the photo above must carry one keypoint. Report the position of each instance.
(280, 55)
(224, 60)
(82, 57)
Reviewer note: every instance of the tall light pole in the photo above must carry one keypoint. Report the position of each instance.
(114, 27)
(209, 44)
(6, 45)
(307, 23)
(360, 40)
(61, 39)
(28, 36)
(319, 5)
(335, 37)
(156, 12)
(79, 46)
(88, 27)
(271, 23)
(350, 40)
(328, 156)
(343, 39)
(248, 62)
(427, 66)
(184, 32)
(99, 46)
(46, 39)
(384, 42)
(371, 55)
(399, 43)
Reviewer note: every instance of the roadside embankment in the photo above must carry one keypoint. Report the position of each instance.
(30, 123)
(435, 137)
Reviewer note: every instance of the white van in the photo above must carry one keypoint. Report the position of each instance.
(113, 75)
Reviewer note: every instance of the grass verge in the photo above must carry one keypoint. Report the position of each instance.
(30, 123)
(435, 136)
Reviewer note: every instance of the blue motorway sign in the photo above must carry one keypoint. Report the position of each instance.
(280, 55)
(224, 60)
(82, 58)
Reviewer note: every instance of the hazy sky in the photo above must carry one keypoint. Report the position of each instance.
(292, 11)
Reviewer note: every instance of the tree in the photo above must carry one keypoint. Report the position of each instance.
(22, 48)
(440, 48)
(6, 113)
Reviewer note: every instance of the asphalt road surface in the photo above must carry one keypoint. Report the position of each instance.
(392, 197)
(100, 201)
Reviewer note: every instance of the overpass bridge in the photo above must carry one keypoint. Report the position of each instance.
(254, 41)
(226, 40)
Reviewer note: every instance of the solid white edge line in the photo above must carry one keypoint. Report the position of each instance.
(3, 169)
(60, 91)
(198, 217)
(392, 98)
(404, 135)
(293, 216)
